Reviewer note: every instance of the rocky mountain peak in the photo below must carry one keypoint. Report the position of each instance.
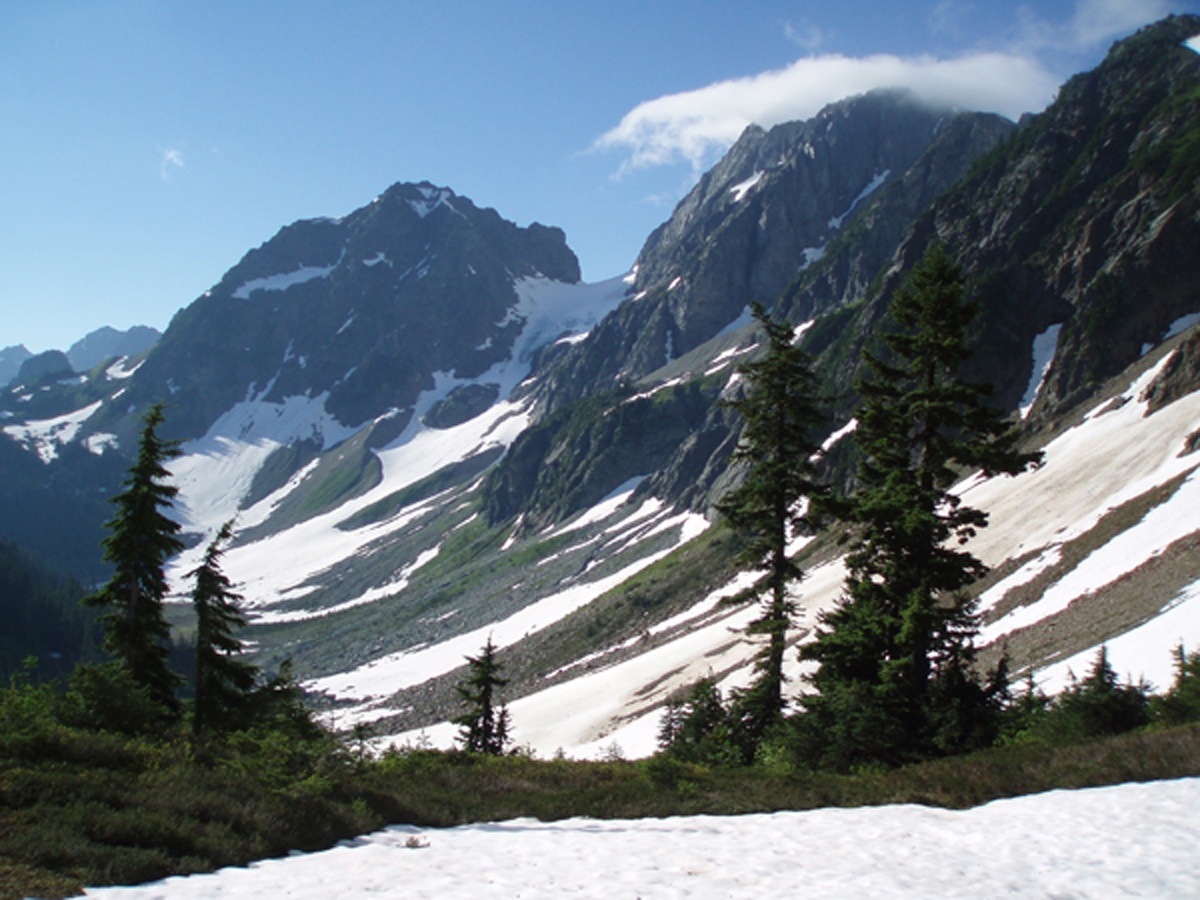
(10, 362)
(359, 311)
(43, 367)
(773, 205)
(107, 343)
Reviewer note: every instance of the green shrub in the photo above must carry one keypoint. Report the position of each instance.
(106, 697)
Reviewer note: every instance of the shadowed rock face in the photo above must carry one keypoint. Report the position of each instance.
(1083, 220)
(776, 203)
(1081, 217)
(366, 308)
(44, 367)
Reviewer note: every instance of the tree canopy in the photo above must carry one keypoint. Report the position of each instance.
(141, 539)
(895, 656)
(224, 683)
(484, 720)
(778, 449)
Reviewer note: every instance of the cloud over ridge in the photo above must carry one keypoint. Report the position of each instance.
(695, 126)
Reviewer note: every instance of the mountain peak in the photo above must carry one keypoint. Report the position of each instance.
(422, 197)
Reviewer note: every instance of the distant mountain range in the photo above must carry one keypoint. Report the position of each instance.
(431, 431)
(102, 345)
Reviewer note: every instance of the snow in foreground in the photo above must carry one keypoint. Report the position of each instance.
(1130, 840)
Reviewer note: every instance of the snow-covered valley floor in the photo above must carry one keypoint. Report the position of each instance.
(1134, 840)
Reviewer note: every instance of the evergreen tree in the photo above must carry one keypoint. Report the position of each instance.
(1100, 705)
(484, 723)
(1182, 703)
(778, 447)
(224, 683)
(695, 726)
(903, 626)
(141, 539)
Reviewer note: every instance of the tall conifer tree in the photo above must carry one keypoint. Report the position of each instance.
(778, 447)
(894, 678)
(484, 721)
(224, 683)
(140, 541)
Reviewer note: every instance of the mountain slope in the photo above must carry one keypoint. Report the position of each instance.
(1078, 224)
(106, 344)
(431, 433)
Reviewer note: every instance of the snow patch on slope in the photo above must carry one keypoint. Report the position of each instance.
(1112, 457)
(1142, 653)
(119, 370)
(388, 674)
(284, 280)
(432, 198)
(1044, 347)
(873, 185)
(1167, 523)
(45, 436)
(741, 189)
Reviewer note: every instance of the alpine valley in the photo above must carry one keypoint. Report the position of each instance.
(430, 432)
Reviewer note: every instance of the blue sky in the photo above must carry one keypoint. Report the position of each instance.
(148, 145)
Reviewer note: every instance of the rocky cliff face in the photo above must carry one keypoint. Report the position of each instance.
(1076, 220)
(760, 216)
(833, 195)
(847, 265)
(105, 344)
(362, 309)
(1081, 221)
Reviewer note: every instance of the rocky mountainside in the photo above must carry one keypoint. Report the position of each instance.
(1068, 228)
(769, 209)
(329, 329)
(361, 310)
(10, 362)
(106, 344)
(431, 433)
(1073, 229)
(854, 176)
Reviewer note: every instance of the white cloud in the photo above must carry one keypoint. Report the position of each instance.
(696, 126)
(172, 158)
(805, 35)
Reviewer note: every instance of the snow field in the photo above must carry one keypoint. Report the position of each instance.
(391, 673)
(1129, 840)
(45, 435)
(1105, 461)
(217, 471)
(1113, 456)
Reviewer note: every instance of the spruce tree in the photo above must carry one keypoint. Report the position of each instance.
(1100, 705)
(224, 683)
(778, 448)
(140, 541)
(894, 679)
(484, 721)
